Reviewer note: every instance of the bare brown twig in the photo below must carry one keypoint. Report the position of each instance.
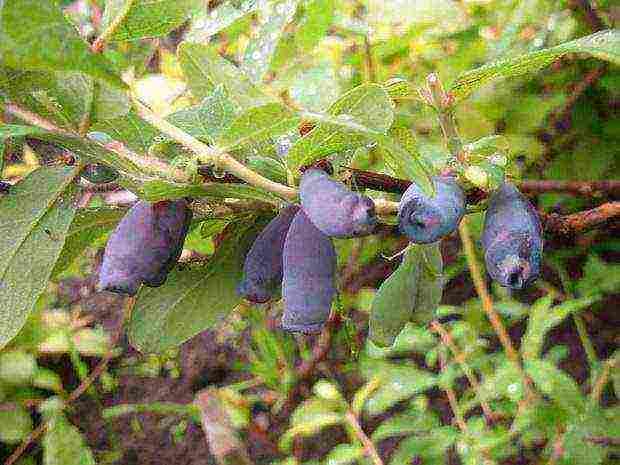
(459, 357)
(369, 448)
(591, 15)
(582, 221)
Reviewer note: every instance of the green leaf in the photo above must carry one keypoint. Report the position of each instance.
(393, 304)
(272, 18)
(308, 419)
(576, 446)
(430, 284)
(268, 167)
(405, 424)
(599, 277)
(205, 70)
(193, 298)
(543, 318)
(137, 19)
(604, 45)
(411, 339)
(63, 444)
(17, 367)
(368, 107)
(398, 382)
(432, 449)
(556, 384)
(210, 23)
(23, 24)
(36, 217)
(87, 226)
(14, 130)
(15, 424)
(161, 190)
(129, 129)
(344, 454)
(61, 97)
(257, 124)
(314, 25)
(207, 120)
(212, 226)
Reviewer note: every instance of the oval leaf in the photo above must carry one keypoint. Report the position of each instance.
(36, 216)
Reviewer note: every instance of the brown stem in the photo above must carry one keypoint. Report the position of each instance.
(100, 43)
(370, 65)
(560, 119)
(460, 359)
(585, 188)
(386, 183)
(591, 15)
(454, 406)
(369, 448)
(582, 221)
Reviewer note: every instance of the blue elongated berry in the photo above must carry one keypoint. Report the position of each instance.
(308, 288)
(262, 271)
(145, 246)
(425, 219)
(335, 209)
(512, 238)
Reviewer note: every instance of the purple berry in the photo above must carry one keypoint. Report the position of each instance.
(335, 209)
(425, 219)
(308, 287)
(145, 246)
(262, 271)
(512, 238)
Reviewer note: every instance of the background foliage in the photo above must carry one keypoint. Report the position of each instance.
(536, 88)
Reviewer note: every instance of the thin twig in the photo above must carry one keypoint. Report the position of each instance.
(229, 163)
(207, 153)
(369, 448)
(582, 221)
(592, 17)
(99, 43)
(460, 359)
(83, 387)
(454, 406)
(150, 164)
(597, 389)
(487, 306)
(35, 120)
(585, 188)
(370, 65)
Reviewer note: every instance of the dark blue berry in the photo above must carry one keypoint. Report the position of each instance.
(145, 246)
(262, 271)
(512, 238)
(308, 287)
(333, 208)
(425, 219)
